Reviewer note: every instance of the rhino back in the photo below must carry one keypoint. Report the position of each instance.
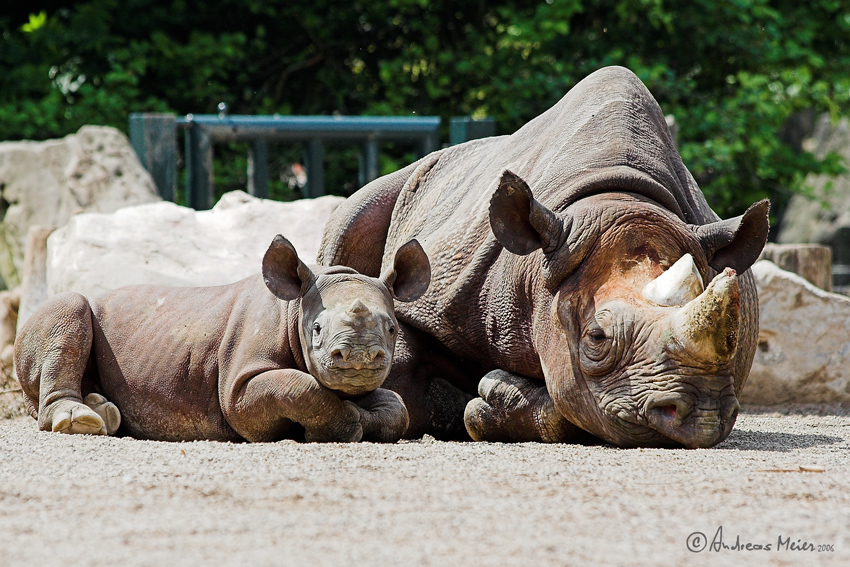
(606, 134)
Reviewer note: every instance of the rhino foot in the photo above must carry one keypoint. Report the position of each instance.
(344, 427)
(107, 411)
(70, 416)
(383, 416)
(515, 409)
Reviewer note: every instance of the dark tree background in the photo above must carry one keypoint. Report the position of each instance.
(732, 71)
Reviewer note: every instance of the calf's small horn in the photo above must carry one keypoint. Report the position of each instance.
(358, 308)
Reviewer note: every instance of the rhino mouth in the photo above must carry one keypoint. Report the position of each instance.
(354, 371)
(353, 381)
(356, 368)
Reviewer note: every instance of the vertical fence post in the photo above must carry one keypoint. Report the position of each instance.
(463, 128)
(430, 143)
(315, 169)
(369, 166)
(153, 136)
(258, 168)
(199, 168)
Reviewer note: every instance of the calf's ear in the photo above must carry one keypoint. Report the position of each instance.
(736, 243)
(519, 222)
(286, 276)
(411, 273)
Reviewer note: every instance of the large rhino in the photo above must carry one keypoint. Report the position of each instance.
(577, 264)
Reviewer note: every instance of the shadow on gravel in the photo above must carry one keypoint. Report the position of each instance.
(743, 440)
(834, 408)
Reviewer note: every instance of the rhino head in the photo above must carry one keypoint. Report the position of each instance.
(346, 321)
(634, 346)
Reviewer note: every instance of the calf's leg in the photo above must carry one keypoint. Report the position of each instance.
(383, 416)
(264, 406)
(51, 355)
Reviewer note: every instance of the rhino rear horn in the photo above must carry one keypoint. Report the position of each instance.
(679, 284)
(411, 273)
(519, 222)
(286, 276)
(736, 243)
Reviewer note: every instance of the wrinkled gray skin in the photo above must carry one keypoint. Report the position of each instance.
(543, 246)
(246, 361)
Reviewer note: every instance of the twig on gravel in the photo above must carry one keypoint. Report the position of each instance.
(10, 391)
(800, 468)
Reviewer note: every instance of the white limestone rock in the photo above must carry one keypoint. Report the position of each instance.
(33, 288)
(820, 217)
(166, 244)
(44, 183)
(803, 353)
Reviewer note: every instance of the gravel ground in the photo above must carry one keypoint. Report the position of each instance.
(79, 500)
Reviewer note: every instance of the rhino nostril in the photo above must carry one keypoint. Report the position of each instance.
(340, 354)
(377, 354)
(669, 411)
(668, 408)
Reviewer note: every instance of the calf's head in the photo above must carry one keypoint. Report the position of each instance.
(347, 324)
(634, 346)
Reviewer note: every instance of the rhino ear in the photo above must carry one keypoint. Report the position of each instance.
(286, 276)
(736, 243)
(411, 273)
(519, 222)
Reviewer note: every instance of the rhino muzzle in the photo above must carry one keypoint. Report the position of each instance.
(352, 354)
(694, 424)
(361, 347)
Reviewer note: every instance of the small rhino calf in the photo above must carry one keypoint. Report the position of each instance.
(228, 363)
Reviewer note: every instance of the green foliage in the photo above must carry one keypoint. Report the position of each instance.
(731, 71)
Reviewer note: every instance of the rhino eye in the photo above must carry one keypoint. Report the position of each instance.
(597, 335)
(392, 330)
(599, 352)
(317, 328)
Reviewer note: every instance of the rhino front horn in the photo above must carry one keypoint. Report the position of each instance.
(707, 327)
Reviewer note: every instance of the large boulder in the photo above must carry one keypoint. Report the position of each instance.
(803, 353)
(824, 218)
(810, 261)
(11, 401)
(45, 183)
(166, 244)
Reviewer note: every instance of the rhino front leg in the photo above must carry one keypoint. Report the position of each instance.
(265, 406)
(515, 409)
(383, 416)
